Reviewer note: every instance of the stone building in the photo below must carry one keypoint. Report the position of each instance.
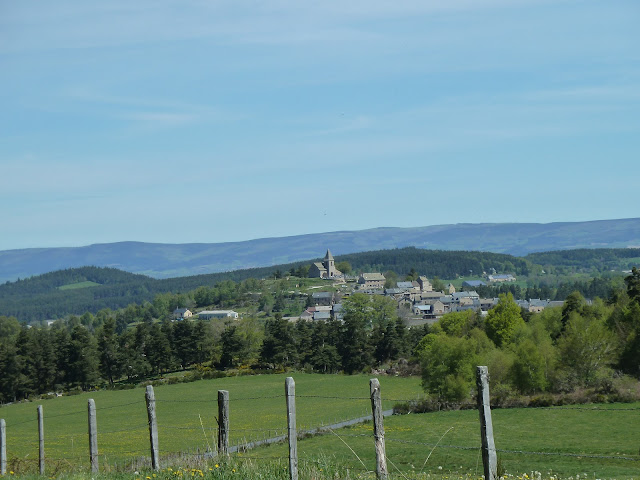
(324, 269)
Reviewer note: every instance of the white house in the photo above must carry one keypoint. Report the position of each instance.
(182, 313)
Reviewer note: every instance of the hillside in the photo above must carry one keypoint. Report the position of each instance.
(90, 289)
(167, 260)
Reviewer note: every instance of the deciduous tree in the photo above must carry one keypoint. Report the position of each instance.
(503, 320)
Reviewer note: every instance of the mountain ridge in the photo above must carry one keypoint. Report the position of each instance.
(164, 260)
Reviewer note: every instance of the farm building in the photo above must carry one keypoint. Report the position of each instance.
(217, 314)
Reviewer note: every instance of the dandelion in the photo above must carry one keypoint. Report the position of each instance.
(217, 466)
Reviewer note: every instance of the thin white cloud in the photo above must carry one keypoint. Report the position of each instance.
(76, 24)
(160, 120)
(588, 93)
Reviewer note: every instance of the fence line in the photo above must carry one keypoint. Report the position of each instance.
(574, 455)
(291, 432)
(118, 406)
(128, 429)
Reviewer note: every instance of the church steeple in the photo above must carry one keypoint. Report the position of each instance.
(329, 264)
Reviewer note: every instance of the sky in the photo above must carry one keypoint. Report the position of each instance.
(215, 121)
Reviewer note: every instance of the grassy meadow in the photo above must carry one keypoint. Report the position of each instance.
(186, 415)
(553, 441)
(557, 442)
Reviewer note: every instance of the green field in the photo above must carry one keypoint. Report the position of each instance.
(73, 286)
(564, 441)
(187, 415)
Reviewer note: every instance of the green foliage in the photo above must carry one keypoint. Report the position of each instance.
(344, 267)
(503, 320)
(354, 346)
(528, 369)
(458, 324)
(447, 366)
(586, 259)
(633, 284)
(278, 346)
(437, 284)
(586, 347)
(573, 303)
(9, 328)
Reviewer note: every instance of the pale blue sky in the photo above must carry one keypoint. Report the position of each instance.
(211, 121)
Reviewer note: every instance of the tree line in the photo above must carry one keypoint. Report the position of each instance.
(73, 355)
(581, 345)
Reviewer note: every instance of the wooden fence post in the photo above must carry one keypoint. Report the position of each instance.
(3, 447)
(290, 390)
(41, 439)
(153, 427)
(378, 429)
(489, 457)
(93, 435)
(223, 422)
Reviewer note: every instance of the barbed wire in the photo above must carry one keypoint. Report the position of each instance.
(186, 401)
(68, 414)
(266, 397)
(567, 454)
(425, 444)
(242, 456)
(268, 430)
(336, 397)
(173, 427)
(73, 457)
(588, 409)
(21, 423)
(353, 435)
(129, 429)
(118, 406)
(126, 452)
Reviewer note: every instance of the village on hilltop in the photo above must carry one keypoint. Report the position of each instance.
(417, 301)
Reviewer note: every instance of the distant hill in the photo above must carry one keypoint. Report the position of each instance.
(174, 260)
(90, 289)
(44, 296)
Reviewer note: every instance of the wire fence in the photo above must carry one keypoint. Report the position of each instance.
(598, 438)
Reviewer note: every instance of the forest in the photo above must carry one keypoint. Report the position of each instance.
(582, 345)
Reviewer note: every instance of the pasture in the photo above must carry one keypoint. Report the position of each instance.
(187, 415)
(594, 441)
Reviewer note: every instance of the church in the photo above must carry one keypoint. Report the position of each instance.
(324, 269)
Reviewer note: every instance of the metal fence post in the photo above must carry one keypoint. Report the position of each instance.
(153, 427)
(489, 457)
(290, 390)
